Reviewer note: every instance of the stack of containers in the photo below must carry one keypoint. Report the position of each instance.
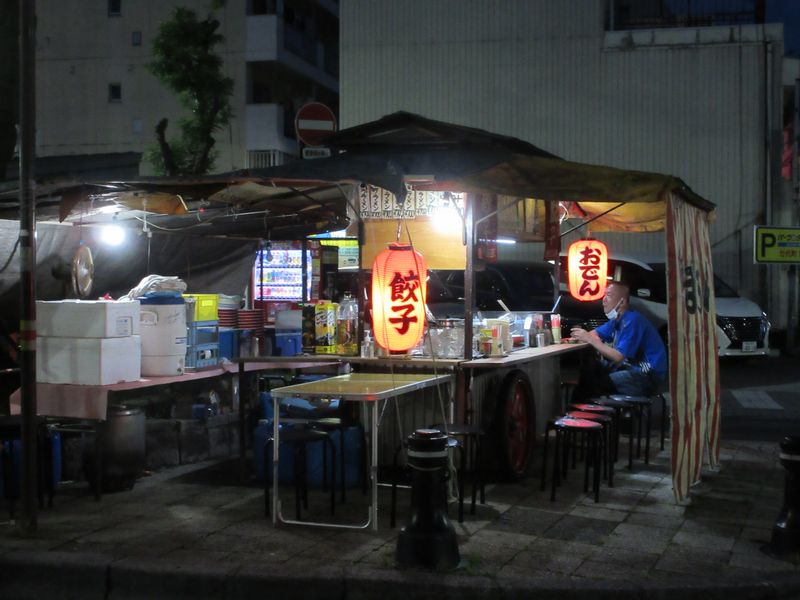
(228, 313)
(88, 342)
(203, 330)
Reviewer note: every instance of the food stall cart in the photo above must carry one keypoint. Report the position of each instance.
(406, 155)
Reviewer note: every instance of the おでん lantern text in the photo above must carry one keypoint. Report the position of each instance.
(587, 268)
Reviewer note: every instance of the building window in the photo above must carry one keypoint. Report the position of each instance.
(115, 92)
(136, 38)
(114, 8)
(262, 7)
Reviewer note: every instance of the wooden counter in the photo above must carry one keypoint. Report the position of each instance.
(522, 356)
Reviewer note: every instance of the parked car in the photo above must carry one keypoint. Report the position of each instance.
(742, 327)
(521, 286)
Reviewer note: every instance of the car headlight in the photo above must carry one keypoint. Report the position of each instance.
(765, 324)
(727, 326)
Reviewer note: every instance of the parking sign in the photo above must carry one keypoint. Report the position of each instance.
(776, 245)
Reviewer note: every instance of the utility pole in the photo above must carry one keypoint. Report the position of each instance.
(791, 325)
(27, 245)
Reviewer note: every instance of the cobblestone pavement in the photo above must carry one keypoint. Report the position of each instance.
(195, 531)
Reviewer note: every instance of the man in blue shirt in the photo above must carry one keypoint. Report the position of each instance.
(633, 358)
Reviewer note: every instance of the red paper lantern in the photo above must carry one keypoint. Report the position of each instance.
(399, 280)
(587, 268)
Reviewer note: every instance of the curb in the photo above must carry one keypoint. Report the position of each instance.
(87, 576)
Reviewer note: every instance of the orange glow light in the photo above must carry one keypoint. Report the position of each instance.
(399, 280)
(587, 263)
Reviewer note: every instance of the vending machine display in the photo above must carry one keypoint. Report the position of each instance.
(278, 275)
(278, 272)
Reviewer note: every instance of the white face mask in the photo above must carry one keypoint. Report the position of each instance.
(613, 314)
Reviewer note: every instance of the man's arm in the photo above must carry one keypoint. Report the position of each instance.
(593, 339)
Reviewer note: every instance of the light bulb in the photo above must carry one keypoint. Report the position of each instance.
(113, 235)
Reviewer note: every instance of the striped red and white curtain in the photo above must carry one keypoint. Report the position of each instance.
(693, 357)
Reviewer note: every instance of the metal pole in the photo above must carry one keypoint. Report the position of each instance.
(27, 245)
(469, 278)
(791, 300)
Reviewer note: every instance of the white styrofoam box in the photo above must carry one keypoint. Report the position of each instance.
(88, 361)
(87, 318)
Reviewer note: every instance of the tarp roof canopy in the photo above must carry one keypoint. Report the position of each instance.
(396, 151)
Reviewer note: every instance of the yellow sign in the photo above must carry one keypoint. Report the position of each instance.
(776, 245)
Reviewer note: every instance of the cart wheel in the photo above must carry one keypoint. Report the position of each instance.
(516, 425)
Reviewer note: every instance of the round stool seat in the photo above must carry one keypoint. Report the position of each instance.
(564, 427)
(590, 416)
(614, 402)
(569, 422)
(303, 435)
(592, 408)
(632, 400)
(332, 422)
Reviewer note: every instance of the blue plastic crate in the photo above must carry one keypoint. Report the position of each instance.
(15, 448)
(201, 333)
(288, 344)
(203, 355)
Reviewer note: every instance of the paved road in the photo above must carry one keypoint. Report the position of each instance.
(760, 398)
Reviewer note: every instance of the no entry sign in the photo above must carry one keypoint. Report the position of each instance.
(313, 123)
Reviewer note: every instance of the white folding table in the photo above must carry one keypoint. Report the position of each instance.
(371, 388)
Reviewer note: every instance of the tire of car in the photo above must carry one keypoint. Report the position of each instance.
(515, 426)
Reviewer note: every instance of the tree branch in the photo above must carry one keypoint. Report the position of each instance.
(201, 162)
(166, 152)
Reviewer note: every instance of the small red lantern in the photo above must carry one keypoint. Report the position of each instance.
(399, 280)
(587, 263)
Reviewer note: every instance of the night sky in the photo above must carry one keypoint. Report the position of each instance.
(788, 12)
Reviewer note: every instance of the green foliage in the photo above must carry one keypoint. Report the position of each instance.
(185, 61)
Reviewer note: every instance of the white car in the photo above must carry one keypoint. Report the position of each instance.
(742, 327)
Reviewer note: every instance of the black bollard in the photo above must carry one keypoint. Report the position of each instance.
(428, 539)
(786, 531)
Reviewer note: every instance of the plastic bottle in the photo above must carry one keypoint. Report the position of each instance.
(367, 346)
(347, 327)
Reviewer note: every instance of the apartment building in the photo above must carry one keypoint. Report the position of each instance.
(98, 105)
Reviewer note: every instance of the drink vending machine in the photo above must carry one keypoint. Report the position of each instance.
(288, 273)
